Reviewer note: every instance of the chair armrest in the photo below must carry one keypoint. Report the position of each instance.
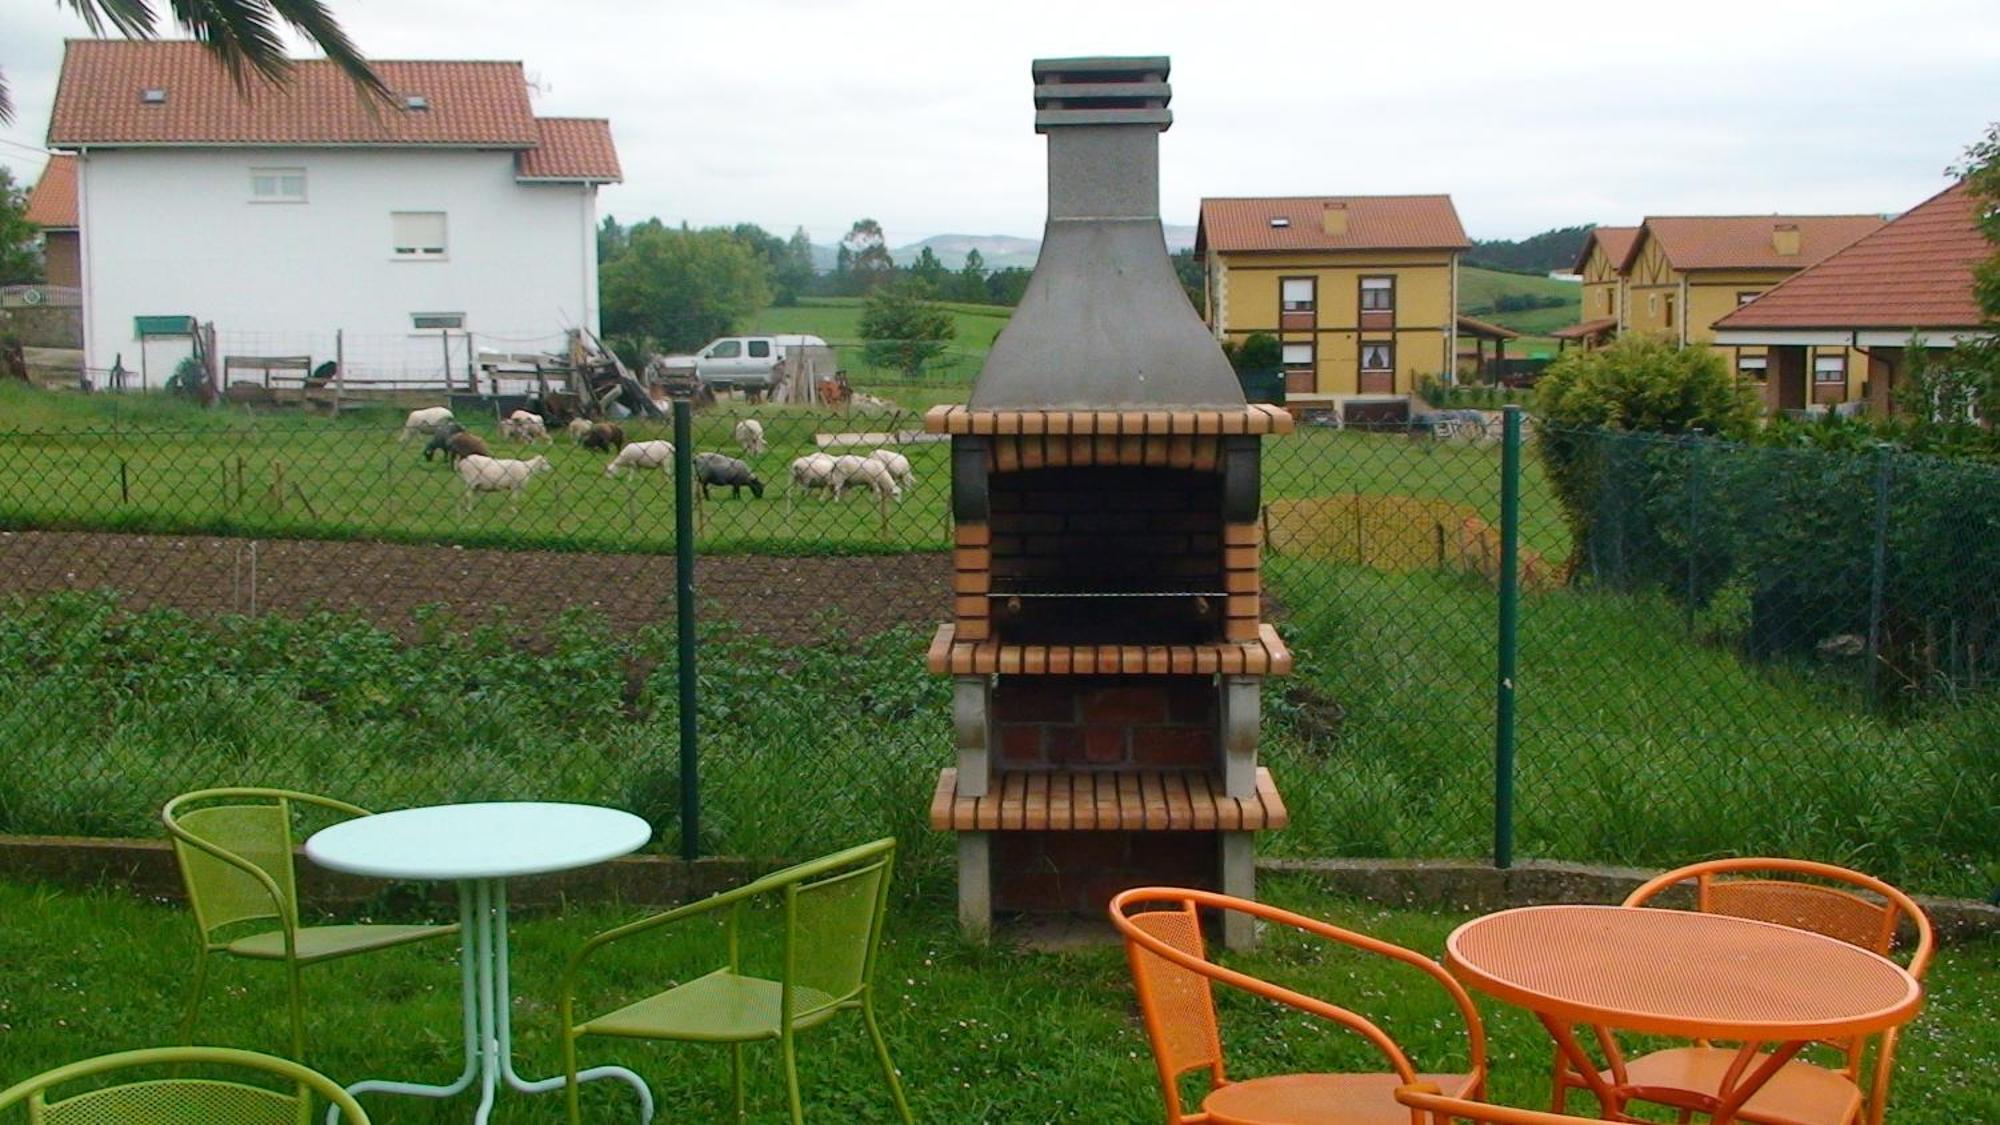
(573, 969)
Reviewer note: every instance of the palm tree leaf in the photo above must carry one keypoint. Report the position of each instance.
(244, 35)
(6, 102)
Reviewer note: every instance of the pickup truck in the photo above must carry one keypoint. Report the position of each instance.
(761, 363)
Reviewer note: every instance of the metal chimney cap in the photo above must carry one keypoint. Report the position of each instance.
(1102, 90)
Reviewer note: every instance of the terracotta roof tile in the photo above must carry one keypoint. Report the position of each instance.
(1721, 242)
(53, 202)
(98, 101)
(1617, 243)
(1915, 272)
(1374, 222)
(1485, 328)
(1587, 329)
(571, 148)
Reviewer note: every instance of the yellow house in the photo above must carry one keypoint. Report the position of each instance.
(1601, 264)
(1360, 290)
(1682, 273)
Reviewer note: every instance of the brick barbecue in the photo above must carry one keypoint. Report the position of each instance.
(1107, 648)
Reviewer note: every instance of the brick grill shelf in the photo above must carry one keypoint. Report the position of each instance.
(1265, 656)
(1149, 801)
(1256, 419)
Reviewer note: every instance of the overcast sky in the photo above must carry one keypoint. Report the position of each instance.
(1530, 114)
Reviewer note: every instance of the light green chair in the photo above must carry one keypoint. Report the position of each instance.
(235, 853)
(831, 926)
(179, 1101)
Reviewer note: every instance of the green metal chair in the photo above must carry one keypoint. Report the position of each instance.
(833, 914)
(180, 1101)
(235, 853)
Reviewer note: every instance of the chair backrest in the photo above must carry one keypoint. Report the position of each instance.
(1429, 1107)
(235, 852)
(1176, 1004)
(180, 1101)
(835, 910)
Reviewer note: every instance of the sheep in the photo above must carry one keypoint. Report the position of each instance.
(750, 435)
(425, 421)
(605, 437)
(464, 444)
(486, 474)
(899, 466)
(441, 439)
(814, 470)
(714, 468)
(577, 428)
(522, 426)
(643, 455)
(867, 473)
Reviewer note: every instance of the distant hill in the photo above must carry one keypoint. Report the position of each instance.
(998, 251)
(1532, 306)
(1540, 253)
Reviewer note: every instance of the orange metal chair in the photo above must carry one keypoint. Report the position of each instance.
(1175, 983)
(1429, 1107)
(1802, 1092)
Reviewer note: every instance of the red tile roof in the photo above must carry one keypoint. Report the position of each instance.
(1485, 329)
(1617, 243)
(1587, 329)
(98, 101)
(1374, 222)
(53, 202)
(1915, 272)
(1721, 242)
(571, 148)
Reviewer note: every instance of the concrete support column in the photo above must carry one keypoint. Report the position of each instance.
(971, 719)
(975, 885)
(1241, 710)
(1239, 879)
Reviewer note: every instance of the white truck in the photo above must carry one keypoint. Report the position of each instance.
(785, 367)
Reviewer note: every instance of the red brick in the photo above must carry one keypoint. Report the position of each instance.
(1031, 700)
(1063, 746)
(1104, 746)
(1090, 851)
(1128, 705)
(1021, 746)
(1165, 747)
(1191, 700)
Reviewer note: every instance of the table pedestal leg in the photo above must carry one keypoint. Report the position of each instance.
(1610, 1102)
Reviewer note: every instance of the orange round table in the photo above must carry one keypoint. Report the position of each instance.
(1683, 974)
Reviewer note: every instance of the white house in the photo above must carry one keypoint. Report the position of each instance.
(285, 214)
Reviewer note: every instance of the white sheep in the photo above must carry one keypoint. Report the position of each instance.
(866, 473)
(487, 474)
(814, 470)
(750, 436)
(577, 428)
(425, 421)
(643, 455)
(899, 466)
(525, 427)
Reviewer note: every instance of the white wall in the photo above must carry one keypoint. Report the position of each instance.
(174, 231)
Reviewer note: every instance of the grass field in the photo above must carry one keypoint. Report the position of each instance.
(1478, 289)
(979, 1034)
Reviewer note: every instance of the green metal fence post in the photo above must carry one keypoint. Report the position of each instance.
(1878, 569)
(684, 622)
(1693, 529)
(1510, 606)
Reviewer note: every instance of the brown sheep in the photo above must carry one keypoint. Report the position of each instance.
(464, 444)
(605, 437)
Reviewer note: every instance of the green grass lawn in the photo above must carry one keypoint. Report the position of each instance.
(1478, 289)
(837, 320)
(994, 1034)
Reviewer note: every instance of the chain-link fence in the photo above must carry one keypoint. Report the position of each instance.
(1720, 649)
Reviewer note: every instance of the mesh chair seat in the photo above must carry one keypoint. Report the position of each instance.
(288, 1100)
(1799, 1092)
(1318, 1099)
(177, 1102)
(324, 943)
(722, 1007)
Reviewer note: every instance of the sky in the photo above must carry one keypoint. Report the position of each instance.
(1531, 115)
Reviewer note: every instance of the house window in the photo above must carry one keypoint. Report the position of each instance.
(1299, 356)
(1830, 369)
(1753, 366)
(436, 320)
(1378, 357)
(417, 234)
(1299, 294)
(1746, 296)
(1378, 294)
(277, 185)
(1669, 321)
(1607, 300)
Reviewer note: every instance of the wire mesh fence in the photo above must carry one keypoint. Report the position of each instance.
(1721, 649)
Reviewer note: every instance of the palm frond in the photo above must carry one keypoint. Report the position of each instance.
(245, 35)
(6, 102)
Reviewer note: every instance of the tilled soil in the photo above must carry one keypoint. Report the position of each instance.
(788, 600)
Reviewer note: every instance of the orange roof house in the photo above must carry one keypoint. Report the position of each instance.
(52, 205)
(1361, 290)
(1600, 263)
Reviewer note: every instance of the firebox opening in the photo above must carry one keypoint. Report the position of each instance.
(1082, 554)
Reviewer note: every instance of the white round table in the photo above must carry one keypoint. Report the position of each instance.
(480, 847)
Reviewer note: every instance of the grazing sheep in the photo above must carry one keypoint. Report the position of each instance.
(865, 473)
(464, 444)
(899, 466)
(425, 421)
(486, 474)
(604, 437)
(643, 455)
(522, 426)
(714, 468)
(814, 470)
(750, 436)
(577, 428)
(440, 439)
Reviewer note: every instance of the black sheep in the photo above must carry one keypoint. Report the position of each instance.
(441, 439)
(464, 444)
(605, 437)
(714, 468)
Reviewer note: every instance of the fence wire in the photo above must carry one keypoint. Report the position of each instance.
(1722, 649)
